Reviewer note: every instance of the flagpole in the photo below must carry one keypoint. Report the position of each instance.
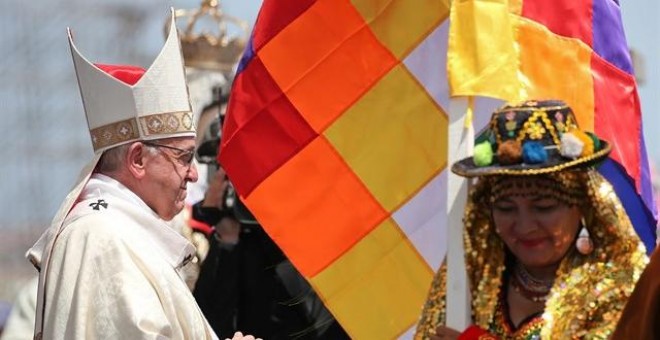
(460, 144)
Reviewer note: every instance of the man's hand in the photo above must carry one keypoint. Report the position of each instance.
(215, 194)
(228, 229)
(240, 336)
(443, 333)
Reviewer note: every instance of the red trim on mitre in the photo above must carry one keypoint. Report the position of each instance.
(126, 73)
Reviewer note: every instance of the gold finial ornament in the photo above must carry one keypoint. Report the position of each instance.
(217, 51)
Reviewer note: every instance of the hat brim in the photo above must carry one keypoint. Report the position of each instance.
(467, 168)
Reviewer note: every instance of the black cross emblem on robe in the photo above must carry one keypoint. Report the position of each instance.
(97, 205)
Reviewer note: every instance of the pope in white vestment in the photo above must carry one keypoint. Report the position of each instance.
(109, 265)
(115, 272)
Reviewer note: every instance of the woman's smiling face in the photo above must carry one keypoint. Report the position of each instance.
(537, 227)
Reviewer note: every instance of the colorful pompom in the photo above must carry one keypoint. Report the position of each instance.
(571, 146)
(588, 148)
(534, 153)
(483, 154)
(595, 140)
(509, 152)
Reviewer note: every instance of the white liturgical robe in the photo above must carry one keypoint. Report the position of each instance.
(114, 272)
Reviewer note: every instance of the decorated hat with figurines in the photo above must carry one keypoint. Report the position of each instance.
(530, 138)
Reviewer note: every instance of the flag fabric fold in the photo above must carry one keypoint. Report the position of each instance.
(571, 50)
(335, 139)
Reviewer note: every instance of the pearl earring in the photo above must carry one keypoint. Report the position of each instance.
(584, 244)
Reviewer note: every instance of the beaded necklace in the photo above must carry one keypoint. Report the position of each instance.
(528, 286)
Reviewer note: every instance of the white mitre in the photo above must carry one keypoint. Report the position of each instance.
(156, 107)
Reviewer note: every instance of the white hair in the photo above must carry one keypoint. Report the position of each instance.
(113, 158)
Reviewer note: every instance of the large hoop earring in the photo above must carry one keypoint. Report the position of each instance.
(583, 243)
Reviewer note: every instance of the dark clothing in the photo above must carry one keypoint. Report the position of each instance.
(641, 316)
(251, 287)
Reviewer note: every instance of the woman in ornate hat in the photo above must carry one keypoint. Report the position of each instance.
(550, 252)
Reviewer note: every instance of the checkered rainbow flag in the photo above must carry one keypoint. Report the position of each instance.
(336, 134)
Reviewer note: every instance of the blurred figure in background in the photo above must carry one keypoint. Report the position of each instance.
(5, 308)
(20, 325)
(641, 317)
(205, 89)
(211, 44)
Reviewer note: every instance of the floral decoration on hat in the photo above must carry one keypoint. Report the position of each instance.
(533, 137)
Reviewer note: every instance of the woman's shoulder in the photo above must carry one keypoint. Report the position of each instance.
(588, 298)
(603, 281)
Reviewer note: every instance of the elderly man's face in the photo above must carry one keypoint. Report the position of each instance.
(168, 173)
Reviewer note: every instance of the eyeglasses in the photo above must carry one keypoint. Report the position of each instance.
(186, 156)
